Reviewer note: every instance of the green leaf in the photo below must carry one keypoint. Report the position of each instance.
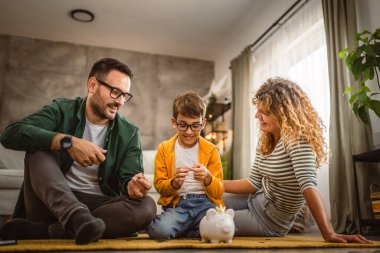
(376, 34)
(364, 99)
(355, 107)
(367, 71)
(371, 73)
(357, 67)
(363, 115)
(370, 50)
(366, 74)
(376, 47)
(349, 62)
(376, 107)
(348, 89)
(353, 98)
(343, 53)
(365, 32)
(364, 88)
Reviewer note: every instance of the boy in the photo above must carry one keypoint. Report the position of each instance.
(188, 173)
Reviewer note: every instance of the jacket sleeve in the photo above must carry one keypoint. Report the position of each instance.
(215, 189)
(162, 179)
(132, 161)
(34, 132)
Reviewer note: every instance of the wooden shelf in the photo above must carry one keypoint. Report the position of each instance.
(218, 110)
(367, 157)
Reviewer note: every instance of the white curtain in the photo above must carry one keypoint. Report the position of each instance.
(297, 51)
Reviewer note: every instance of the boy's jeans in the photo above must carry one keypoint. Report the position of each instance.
(181, 221)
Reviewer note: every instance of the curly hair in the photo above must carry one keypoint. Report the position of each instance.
(294, 114)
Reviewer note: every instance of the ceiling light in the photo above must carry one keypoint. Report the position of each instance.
(82, 15)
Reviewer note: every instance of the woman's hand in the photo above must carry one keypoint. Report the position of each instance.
(346, 238)
(317, 209)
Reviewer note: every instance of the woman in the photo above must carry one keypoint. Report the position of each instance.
(283, 175)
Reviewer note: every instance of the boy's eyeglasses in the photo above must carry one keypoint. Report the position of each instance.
(193, 127)
(115, 93)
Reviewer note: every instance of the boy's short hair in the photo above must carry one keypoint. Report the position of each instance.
(189, 104)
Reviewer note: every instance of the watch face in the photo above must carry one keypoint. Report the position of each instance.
(66, 143)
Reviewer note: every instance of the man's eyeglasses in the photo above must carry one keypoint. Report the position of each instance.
(193, 127)
(115, 93)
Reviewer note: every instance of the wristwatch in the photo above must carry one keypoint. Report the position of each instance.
(66, 143)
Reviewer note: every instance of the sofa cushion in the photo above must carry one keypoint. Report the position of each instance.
(12, 159)
(148, 161)
(11, 168)
(2, 165)
(11, 179)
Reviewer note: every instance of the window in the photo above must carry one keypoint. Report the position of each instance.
(297, 51)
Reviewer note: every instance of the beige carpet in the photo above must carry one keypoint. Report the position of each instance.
(143, 243)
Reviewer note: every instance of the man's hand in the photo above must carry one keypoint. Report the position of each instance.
(180, 174)
(201, 173)
(138, 186)
(86, 153)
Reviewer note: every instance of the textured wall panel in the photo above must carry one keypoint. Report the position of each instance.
(37, 71)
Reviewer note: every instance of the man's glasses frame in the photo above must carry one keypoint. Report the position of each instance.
(115, 93)
(193, 127)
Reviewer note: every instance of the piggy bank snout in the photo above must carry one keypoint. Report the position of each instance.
(227, 229)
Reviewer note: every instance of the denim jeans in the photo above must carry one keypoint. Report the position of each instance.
(181, 221)
(255, 215)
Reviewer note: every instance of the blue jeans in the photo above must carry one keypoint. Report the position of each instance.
(181, 221)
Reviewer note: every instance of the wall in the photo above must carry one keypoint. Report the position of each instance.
(369, 19)
(33, 72)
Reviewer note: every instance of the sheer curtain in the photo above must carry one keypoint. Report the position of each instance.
(297, 51)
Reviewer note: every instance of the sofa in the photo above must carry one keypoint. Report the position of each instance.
(12, 176)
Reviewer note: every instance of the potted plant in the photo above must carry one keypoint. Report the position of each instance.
(364, 63)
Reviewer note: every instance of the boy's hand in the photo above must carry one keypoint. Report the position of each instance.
(180, 174)
(201, 173)
(138, 186)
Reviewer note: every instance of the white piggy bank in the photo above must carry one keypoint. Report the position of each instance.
(218, 225)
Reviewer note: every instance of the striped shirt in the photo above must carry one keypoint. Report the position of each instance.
(285, 174)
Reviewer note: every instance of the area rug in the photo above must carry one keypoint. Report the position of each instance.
(143, 243)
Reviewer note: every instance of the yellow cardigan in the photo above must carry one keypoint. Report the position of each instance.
(165, 165)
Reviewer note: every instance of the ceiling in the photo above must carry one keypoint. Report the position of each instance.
(198, 29)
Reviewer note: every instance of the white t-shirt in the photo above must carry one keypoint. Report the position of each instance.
(188, 157)
(85, 179)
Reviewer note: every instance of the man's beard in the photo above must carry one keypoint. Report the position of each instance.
(98, 109)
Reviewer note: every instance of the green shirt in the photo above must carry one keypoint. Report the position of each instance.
(67, 116)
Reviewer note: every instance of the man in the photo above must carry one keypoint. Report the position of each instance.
(83, 165)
